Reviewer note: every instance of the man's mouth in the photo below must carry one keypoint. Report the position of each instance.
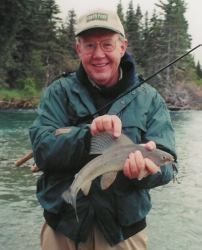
(100, 65)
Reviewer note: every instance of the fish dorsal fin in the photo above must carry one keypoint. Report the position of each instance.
(86, 188)
(107, 179)
(100, 142)
(103, 141)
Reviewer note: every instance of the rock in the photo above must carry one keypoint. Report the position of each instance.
(19, 104)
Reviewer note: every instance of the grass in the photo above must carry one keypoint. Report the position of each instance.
(14, 94)
(12, 98)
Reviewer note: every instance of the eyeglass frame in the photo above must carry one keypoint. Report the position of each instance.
(121, 38)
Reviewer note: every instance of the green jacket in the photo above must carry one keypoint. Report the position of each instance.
(144, 117)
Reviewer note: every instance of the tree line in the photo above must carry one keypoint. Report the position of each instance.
(36, 45)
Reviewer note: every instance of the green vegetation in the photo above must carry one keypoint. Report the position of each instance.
(37, 46)
(8, 94)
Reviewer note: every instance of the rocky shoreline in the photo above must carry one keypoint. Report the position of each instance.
(184, 97)
(13, 104)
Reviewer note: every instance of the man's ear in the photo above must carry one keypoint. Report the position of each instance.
(78, 49)
(124, 46)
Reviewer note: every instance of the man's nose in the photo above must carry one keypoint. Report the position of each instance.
(98, 50)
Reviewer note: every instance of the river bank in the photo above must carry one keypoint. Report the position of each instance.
(183, 97)
(23, 103)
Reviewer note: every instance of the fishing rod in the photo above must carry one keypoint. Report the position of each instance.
(89, 117)
(29, 155)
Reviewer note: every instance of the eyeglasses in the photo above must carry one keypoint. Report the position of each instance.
(108, 45)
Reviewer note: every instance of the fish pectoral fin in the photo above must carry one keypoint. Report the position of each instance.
(86, 188)
(107, 180)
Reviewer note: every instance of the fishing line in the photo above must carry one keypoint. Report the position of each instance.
(90, 117)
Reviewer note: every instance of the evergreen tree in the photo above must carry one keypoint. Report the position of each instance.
(25, 44)
(23, 58)
(66, 39)
(152, 46)
(121, 13)
(49, 42)
(36, 45)
(138, 35)
(130, 24)
(133, 31)
(11, 14)
(70, 39)
(176, 39)
(199, 70)
(145, 39)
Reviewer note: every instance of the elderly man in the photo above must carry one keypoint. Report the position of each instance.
(114, 218)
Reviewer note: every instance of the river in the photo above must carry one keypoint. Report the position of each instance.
(174, 223)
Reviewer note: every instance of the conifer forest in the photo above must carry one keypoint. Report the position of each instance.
(36, 45)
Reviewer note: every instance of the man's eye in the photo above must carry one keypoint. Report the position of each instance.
(107, 45)
(89, 45)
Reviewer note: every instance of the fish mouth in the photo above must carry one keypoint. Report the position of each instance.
(168, 161)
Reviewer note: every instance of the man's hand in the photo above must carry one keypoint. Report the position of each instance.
(136, 166)
(106, 123)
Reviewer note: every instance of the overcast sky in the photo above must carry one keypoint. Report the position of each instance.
(193, 14)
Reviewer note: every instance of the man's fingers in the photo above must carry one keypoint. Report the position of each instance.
(143, 173)
(151, 166)
(134, 165)
(97, 125)
(151, 145)
(139, 160)
(138, 167)
(93, 128)
(108, 123)
(116, 126)
(126, 168)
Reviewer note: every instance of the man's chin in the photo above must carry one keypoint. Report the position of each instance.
(101, 81)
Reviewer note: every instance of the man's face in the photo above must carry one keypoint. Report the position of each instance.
(100, 53)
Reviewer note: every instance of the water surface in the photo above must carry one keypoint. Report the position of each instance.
(20, 214)
(174, 223)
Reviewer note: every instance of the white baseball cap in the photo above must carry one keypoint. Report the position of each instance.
(99, 18)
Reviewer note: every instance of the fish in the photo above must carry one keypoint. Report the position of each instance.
(112, 153)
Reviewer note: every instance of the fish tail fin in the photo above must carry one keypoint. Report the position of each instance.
(71, 199)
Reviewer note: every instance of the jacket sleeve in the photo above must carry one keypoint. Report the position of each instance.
(160, 130)
(66, 152)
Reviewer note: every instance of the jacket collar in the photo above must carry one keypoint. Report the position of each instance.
(128, 65)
